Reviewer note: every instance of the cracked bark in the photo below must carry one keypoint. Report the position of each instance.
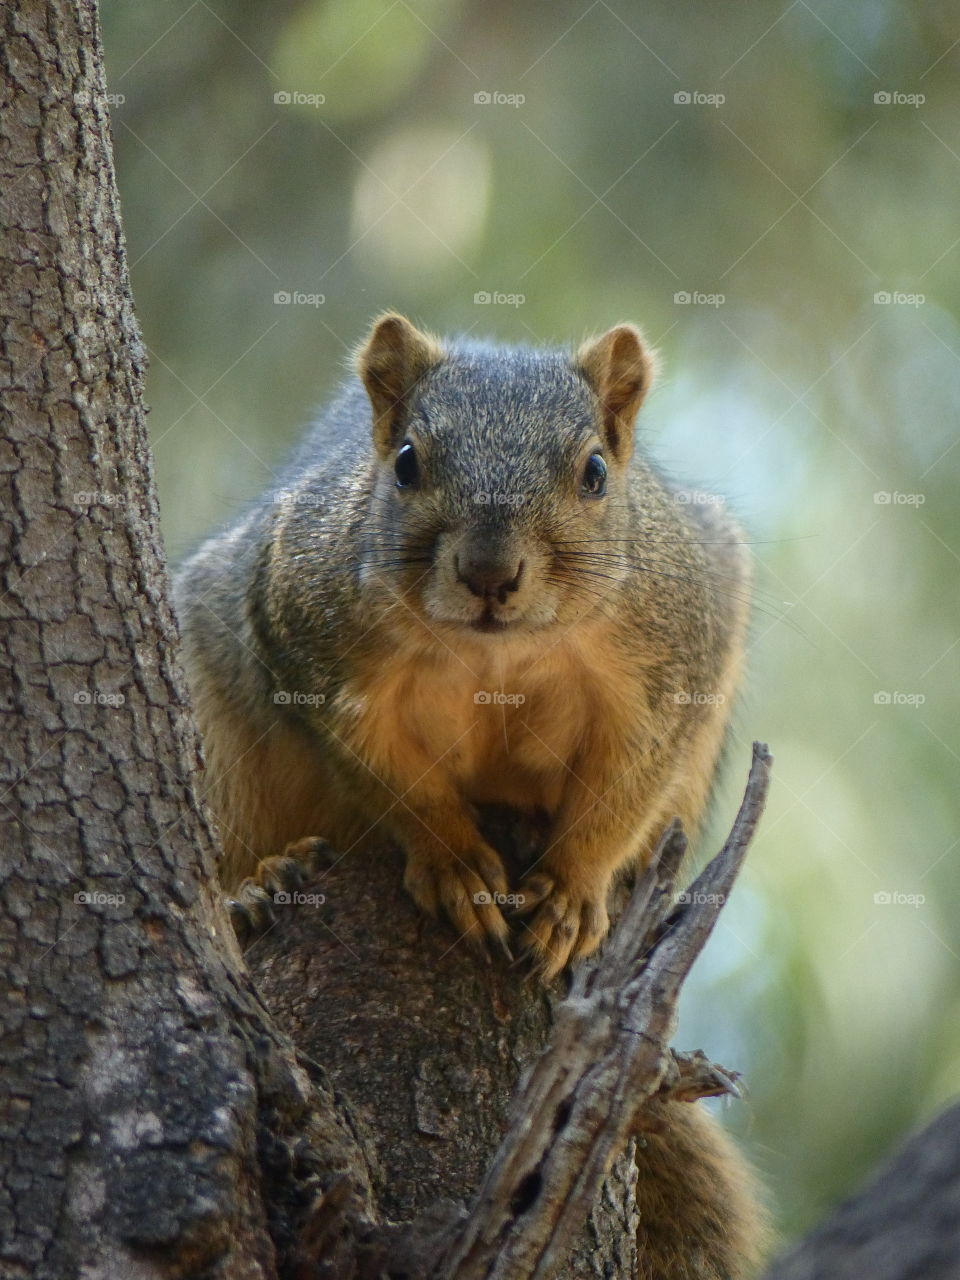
(429, 1045)
(152, 1119)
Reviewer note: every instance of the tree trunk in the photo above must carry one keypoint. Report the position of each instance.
(427, 1042)
(904, 1225)
(152, 1117)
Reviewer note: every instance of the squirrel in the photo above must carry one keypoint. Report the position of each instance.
(470, 587)
(501, 601)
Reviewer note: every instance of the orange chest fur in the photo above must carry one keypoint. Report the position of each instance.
(499, 727)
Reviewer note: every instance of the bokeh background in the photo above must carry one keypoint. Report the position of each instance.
(771, 190)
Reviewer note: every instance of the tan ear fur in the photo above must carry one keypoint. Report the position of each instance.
(620, 368)
(394, 358)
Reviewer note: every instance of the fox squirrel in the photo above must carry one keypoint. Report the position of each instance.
(502, 602)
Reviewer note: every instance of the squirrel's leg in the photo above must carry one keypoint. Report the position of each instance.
(449, 866)
(600, 827)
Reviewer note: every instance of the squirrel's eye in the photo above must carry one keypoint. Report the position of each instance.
(595, 476)
(405, 467)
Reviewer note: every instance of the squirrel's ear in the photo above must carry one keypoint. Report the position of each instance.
(620, 369)
(391, 362)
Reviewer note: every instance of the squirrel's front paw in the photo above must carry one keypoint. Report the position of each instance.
(251, 907)
(465, 887)
(567, 921)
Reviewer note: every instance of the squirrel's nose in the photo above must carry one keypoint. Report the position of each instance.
(488, 577)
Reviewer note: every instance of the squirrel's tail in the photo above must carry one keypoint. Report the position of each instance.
(701, 1215)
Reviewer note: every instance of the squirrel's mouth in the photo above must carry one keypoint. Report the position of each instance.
(489, 623)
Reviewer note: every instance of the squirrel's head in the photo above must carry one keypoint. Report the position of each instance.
(501, 489)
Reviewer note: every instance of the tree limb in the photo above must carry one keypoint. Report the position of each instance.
(608, 1056)
(903, 1225)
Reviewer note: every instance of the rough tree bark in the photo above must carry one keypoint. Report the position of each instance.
(152, 1119)
(904, 1225)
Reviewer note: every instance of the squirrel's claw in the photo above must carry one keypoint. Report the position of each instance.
(252, 907)
(313, 853)
(251, 911)
(466, 890)
(564, 926)
(536, 888)
(503, 947)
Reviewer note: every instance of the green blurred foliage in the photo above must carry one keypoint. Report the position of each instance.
(601, 197)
